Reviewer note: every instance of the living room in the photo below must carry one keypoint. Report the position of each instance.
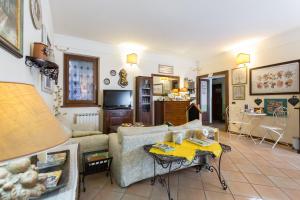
(117, 100)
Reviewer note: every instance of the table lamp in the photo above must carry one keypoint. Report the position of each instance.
(26, 127)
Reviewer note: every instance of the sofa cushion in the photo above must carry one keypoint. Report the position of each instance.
(131, 131)
(195, 124)
(85, 133)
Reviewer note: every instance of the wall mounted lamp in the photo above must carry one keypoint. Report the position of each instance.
(243, 59)
(132, 58)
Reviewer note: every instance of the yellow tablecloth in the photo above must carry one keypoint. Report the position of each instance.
(188, 150)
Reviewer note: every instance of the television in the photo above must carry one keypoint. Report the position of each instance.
(117, 99)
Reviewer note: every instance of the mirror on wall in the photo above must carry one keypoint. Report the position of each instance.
(163, 84)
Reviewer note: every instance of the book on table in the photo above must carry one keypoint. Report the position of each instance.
(201, 142)
(164, 147)
(97, 156)
(53, 159)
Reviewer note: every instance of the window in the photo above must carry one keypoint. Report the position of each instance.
(80, 81)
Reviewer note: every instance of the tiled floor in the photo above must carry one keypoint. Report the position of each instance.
(251, 171)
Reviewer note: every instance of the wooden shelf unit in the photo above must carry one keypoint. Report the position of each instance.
(144, 100)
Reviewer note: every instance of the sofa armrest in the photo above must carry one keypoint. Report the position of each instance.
(115, 150)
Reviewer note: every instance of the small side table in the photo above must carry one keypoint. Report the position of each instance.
(95, 162)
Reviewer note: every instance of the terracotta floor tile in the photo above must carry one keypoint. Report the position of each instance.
(218, 196)
(160, 193)
(292, 194)
(190, 182)
(133, 197)
(248, 168)
(242, 189)
(214, 185)
(190, 194)
(108, 196)
(89, 194)
(271, 171)
(292, 173)
(270, 193)
(234, 176)
(259, 179)
(284, 182)
(236, 197)
(140, 189)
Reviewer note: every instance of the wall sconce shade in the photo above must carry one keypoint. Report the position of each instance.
(242, 58)
(132, 58)
(26, 124)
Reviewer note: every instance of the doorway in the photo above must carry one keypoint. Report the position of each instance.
(213, 98)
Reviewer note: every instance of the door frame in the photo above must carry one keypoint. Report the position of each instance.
(226, 77)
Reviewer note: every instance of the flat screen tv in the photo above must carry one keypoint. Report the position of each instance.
(117, 99)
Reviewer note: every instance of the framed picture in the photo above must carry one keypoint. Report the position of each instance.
(80, 81)
(158, 89)
(46, 85)
(239, 76)
(11, 26)
(281, 78)
(238, 92)
(165, 69)
(271, 104)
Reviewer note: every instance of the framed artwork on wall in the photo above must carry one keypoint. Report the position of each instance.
(281, 78)
(238, 92)
(80, 81)
(239, 76)
(158, 89)
(271, 104)
(11, 26)
(165, 69)
(46, 84)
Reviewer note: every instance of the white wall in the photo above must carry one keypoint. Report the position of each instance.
(112, 57)
(13, 69)
(279, 48)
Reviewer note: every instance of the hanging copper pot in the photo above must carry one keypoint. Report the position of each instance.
(40, 51)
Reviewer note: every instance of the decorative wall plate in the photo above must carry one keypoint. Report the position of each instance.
(106, 81)
(113, 72)
(36, 13)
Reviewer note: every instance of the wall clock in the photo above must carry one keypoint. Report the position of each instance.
(36, 13)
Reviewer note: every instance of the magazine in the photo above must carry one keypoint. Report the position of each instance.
(52, 160)
(52, 179)
(164, 147)
(205, 142)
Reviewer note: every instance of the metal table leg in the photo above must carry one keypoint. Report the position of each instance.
(212, 168)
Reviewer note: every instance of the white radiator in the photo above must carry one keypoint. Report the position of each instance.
(87, 121)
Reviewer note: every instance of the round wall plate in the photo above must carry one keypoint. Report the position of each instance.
(36, 13)
(113, 72)
(106, 81)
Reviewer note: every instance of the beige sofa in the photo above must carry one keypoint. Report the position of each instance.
(130, 162)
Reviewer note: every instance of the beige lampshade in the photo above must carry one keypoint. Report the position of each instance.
(132, 58)
(26, 124)
(242, 58)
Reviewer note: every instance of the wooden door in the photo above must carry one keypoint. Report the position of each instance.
(204, 100)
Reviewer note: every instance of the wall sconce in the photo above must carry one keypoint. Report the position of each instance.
(242, 58)
(132, 58)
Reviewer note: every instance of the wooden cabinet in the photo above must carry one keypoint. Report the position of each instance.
(144, 101)
(112, 119)
(171, 111)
